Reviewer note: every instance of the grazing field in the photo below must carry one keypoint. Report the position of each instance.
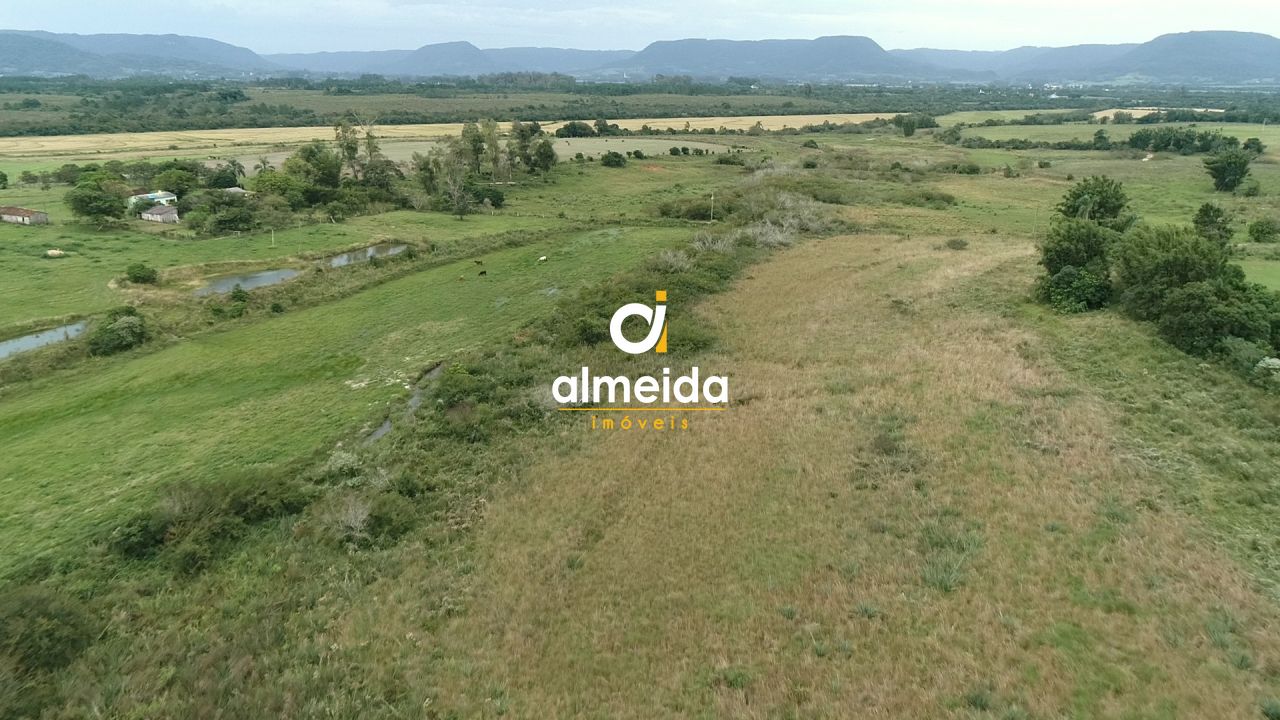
(1266, 272)
(930, 496)
(267, 393)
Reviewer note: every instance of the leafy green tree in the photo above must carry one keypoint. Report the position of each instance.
(613, 159)
(575, 129)
(1149, 263)
(4, 181)
(92, 200)
(223, 176)
(1228, 168)
(316, 164)
(544, 155)
(1199, 316)
(179, 182)
(1253, 146)
(289, 187)
(1213, 223)
(1077, 243)
(1074, 256)
(1099, 199)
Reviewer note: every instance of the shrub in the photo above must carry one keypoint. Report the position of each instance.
(1242, 355)
(1265, 230)
(1076, 243)
(810, 164)
(1074, 289)
(1043, 164)
(42, 630)
(238, 294)
(732, 159)
(934, 199)
(1213, 223)
(810, 143)
(1148, 263)
(123, 328)
(1097, 198)
(1250, 188)
(494, 196)
(142, 274)
(957, 244)
(613, 159)
(675, 151)
(1199, 316)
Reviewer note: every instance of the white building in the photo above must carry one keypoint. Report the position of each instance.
(158, 197)
(161, 214)
(23, 216)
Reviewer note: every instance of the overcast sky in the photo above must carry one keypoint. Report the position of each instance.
(312, 25)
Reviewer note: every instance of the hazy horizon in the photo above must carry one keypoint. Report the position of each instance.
(294, 26)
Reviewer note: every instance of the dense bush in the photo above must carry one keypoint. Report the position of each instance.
(122, 328)
(1199, 316)
(613, 159)
(1075, 259)
(1265, 230)
(1074, 289)
(1151, 262)
(1213, 223)
(142, 273)
(1099, 199)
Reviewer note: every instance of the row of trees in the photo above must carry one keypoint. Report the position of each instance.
(465, 171)
(1179, 277)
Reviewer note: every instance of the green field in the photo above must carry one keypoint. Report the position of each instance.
(1268, 134)
(931, 496)
(1266, 272)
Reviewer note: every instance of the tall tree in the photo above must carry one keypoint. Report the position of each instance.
(1228, 168)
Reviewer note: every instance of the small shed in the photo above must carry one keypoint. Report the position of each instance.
(23, 216)
(161, 214)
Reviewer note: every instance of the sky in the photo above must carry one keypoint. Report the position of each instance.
(270, 26)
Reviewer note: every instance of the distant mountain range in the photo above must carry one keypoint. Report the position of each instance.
(1218, 58)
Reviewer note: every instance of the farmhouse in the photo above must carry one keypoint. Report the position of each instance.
(161, 214)
(23, 216)
(159, 197)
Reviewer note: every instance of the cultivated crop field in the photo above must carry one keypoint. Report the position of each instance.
(930, 496)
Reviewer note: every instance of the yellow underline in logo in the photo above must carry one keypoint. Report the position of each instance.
(625, 409)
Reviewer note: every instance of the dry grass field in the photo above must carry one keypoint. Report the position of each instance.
(912, 510)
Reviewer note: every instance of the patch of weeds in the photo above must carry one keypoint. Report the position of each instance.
(869, 612)
(980, 698)
(1222, 628)
(1270, 709)
(947, 552)
(956, 244)
(788, 612)
(945, 571)
(574, 562)
(734, 678)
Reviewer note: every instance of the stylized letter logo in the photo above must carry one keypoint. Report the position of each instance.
(655, 316)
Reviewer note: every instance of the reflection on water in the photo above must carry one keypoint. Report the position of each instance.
(365, 254)
(41, 339)
(247, 281)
